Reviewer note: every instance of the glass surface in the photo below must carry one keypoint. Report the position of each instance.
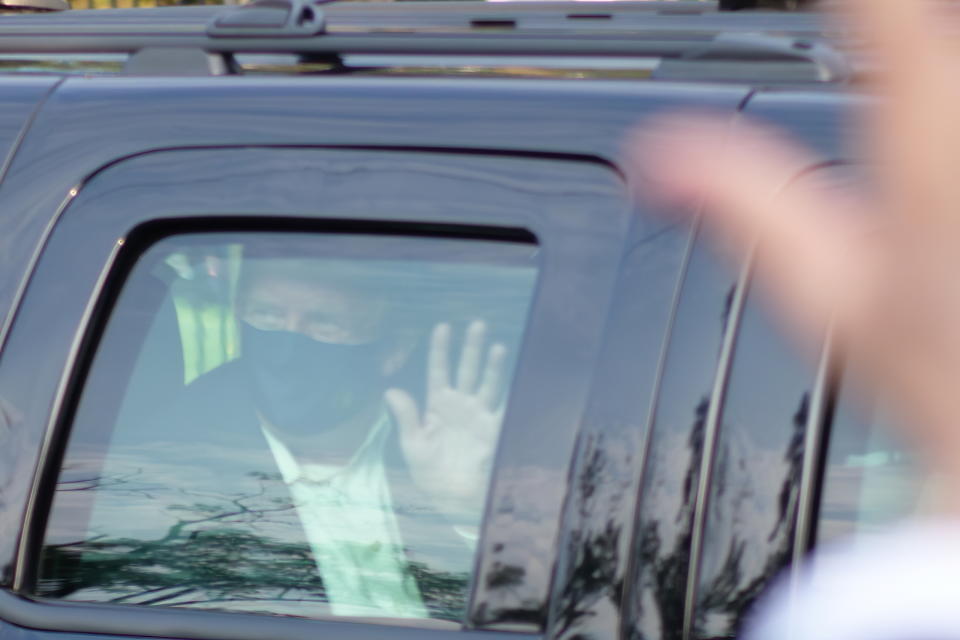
(872, 479)
(292, 424)
(754, 486)
(665, 521)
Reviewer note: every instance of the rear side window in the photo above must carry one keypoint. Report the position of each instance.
(293, 424)
(755, 483)
(872, 479)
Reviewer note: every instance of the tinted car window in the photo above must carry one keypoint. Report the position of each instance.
(754, 487)
(675, 449)
(295, 424)
(871, 479)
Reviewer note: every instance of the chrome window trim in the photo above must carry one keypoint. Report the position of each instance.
(627, 621)
(711, 433)
(30, 536)
(157, 622)
(814, 446)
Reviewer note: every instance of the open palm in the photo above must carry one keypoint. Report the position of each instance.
(449, 445)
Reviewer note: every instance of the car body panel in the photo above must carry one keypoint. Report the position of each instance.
(21, 98)
(601, 489)
(91, 122)
(579, 212)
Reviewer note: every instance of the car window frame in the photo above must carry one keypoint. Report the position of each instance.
(617, 220)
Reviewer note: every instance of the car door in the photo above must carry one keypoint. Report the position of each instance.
(141, 270)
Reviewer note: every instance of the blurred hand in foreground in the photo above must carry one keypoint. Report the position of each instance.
(884, 269)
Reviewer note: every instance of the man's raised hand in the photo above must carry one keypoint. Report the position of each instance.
(449, 445)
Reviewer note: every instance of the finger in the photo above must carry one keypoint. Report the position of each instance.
(804, 233)
(911, 133)
(469, 368)
(404, 409)
(898, 33)
(438, 373)
(492, 376)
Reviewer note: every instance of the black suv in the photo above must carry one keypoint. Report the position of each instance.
(325, 321)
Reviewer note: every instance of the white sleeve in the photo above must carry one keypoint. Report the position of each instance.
(902, 585)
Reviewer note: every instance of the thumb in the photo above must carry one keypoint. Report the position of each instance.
(404, 410)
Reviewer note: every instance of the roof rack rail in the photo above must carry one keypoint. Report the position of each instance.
(691, 39)
(782, 60)
(180, 24)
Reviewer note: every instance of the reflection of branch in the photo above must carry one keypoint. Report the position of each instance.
(217, 560)
(142, 593)
(221, 548)
(506, 576)
(790, 489)
(595, 552)
(663, 563)
(731, 592)
(64, 545)
(592, 577)
(241, 508)
(98, 482)
(168, 597)
(320, 599)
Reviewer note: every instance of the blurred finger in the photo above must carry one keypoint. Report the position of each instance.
(492, 376)
(438, 373)
(912, 132)
(804, 237)
(469, 369)
(900, 33)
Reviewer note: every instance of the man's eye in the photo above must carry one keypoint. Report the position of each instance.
(326, 331)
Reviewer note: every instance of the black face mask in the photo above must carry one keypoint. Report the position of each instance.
(304, 386)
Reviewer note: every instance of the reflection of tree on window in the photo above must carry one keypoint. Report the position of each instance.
(594, 554)
(664, 564)
(211, 556)
(727, 596)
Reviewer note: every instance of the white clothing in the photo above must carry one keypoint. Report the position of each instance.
(349, 521)
(900, 585)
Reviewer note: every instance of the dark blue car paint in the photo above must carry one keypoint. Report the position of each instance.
(92, 136)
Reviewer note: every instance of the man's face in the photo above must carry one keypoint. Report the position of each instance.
(312, 341)
(322, 311)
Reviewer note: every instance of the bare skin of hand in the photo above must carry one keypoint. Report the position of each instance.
(449, 446)
(883, 269)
